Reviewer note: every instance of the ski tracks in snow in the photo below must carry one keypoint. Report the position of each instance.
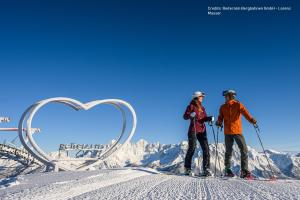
(179, 187)
(140, 184)
(71, 188)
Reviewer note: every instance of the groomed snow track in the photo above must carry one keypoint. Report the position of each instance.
(142, 184)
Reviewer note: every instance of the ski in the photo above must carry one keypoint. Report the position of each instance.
(236, 177)
(184, 175)
(204, 177)
(253, 178)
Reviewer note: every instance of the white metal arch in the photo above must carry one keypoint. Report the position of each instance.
(26, 135)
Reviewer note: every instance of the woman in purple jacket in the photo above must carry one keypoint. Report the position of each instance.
(195, 112)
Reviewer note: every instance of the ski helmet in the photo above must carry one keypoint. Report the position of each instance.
(229, 92)
(198, 94)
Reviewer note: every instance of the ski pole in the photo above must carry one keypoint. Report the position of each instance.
(195, 131)
(218, 151)
(213, 130)
(257, 130)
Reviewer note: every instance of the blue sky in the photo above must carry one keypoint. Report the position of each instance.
(154, 55)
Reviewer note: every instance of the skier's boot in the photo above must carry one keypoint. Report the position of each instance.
(228, 173)
(246, 175)
(206, 173)
(187, 172)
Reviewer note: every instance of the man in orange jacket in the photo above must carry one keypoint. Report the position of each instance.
(230, 113)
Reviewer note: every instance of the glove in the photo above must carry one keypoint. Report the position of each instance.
(219, 124)
(193, 114)
(253, 121)
(209, 119)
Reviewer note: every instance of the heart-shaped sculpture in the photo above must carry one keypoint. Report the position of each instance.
(26, 138)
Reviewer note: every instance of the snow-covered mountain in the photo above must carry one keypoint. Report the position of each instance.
(170, 157)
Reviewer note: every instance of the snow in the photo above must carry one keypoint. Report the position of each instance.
(140, 171)
(8, 182)
(170, 157)
(142, 183)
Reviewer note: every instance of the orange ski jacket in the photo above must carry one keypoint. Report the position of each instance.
(231, 113)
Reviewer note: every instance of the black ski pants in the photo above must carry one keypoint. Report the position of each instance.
(202, 138)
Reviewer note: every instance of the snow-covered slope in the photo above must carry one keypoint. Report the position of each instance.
(170, 157)
(141, 184)
(139, 172)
